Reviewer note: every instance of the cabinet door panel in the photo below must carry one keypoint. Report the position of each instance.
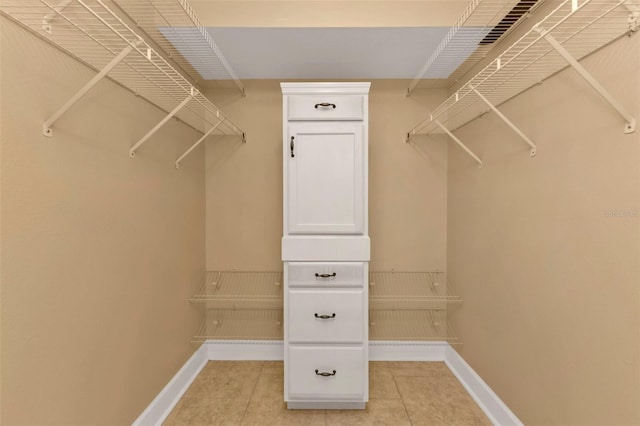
(325, 178)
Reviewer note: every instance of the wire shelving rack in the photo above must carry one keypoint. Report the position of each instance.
(96, 35)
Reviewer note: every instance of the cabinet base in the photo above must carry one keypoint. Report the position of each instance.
(326, 405)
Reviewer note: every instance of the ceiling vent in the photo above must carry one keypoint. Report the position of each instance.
(507, 22)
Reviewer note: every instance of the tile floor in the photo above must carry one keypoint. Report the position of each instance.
(400, 393)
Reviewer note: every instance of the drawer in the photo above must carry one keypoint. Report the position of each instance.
(319, 274)
(344, 371)
(308, 311)
(329, 107)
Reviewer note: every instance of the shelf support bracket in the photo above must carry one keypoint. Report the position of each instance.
(134, 148)
(508, 123)
(46, 21)
(46, 127)
(463, 146)
(630, 125)
(187, 152)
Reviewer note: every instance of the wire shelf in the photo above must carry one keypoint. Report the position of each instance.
(241, 324)
(175, 27)
(94, 34)
(581, 27)
(463, 43)
(410, 287)
(423, 324)
(234, 289)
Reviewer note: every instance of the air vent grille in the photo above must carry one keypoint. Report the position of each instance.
(507, 22)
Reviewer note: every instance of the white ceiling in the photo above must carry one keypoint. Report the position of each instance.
(321, 53)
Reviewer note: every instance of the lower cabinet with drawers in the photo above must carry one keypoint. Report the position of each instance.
(326, 334)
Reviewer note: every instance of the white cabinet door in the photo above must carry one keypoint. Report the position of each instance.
(325, 178)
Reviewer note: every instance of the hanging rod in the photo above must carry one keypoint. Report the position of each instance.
(91, 32)
(579, 27)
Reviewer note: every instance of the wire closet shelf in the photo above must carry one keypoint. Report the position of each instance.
(93, 33)
(235, 289)
(570, 32)
(472, 36)
(248, 305)
(174, 25)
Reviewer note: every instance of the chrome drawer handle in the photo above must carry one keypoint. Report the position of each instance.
(325, 374)
(325, 275)
(325, 105)
(324, 316)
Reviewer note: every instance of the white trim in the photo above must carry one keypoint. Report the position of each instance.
(383, 350)
(493, 407)
(162, 404)
(273, 350)
(325, 88)
(245, 350)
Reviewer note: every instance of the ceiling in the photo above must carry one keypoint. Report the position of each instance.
(321, 53)
(223, 40)
(321, 39)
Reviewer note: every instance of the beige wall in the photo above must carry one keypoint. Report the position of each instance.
(407, 182)
(328, 13)
(549, 277)
(100, 252)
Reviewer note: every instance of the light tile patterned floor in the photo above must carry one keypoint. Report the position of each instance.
(400, 393)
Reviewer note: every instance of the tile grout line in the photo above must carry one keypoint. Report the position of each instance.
(244, 413)
(393, 376)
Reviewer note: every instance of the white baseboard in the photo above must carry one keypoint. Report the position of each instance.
(392, 350)
(273, 350)
(245, 350)
(493, 407)
(162, 405)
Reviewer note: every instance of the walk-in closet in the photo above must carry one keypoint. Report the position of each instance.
(320, 212)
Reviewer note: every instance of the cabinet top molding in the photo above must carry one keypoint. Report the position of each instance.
(326, 88)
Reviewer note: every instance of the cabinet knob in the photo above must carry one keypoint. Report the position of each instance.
(325, 275)
(325, 105)
(324, 316)
(325, 373)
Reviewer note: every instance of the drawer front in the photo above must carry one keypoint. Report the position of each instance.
(343, 367)
(325, 316)
(330, 107)
(325, 274)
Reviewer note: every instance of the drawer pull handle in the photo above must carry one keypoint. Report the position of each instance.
(325, 105)
(291, 146)
(325, 374)
(325, 275)
(324, 316)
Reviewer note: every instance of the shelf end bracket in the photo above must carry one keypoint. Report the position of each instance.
(134, 148)
(630, 122)
(508, 122)
(463, 146)
(187, 152)
(48, 124)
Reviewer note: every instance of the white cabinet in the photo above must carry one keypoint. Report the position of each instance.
(325, 178)
(325, 246)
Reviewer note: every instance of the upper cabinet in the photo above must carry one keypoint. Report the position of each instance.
(325, 178)
(325, 158)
